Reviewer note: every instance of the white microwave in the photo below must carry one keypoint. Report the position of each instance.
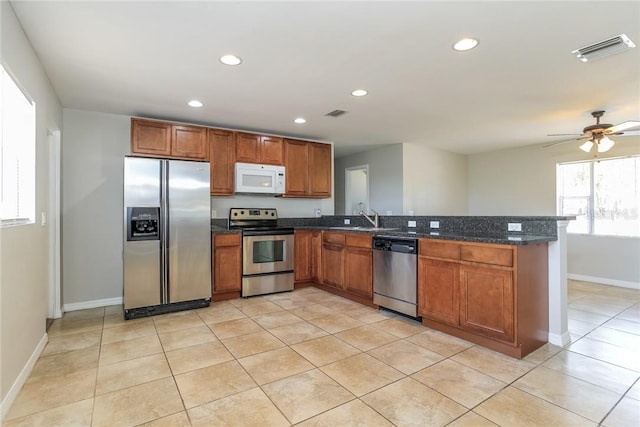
(259, 179)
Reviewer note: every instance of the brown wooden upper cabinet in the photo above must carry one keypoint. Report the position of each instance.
(162, 139)
(221, 157)
(308, 168)
(254, 148)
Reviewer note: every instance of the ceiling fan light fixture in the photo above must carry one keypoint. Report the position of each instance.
(230, 60)
(587, 146)
(605, 145)
(465, 44)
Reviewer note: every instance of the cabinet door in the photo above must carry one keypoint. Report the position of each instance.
(333, 265)
(359, 271)
(316, 256)
(221, 156)
(296, 162)
(227, 263)
(189, 142)
(271, 150)
(247, 148)
(302, 256)
(319, 170)
(150, 137)
(439, 290)
(486, 301)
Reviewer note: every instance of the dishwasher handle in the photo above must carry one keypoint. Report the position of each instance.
(405, 246)
(405, 249)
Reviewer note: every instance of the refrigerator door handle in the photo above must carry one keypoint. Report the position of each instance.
(164, 242)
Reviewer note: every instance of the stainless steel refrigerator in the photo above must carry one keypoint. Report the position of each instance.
(167, 236)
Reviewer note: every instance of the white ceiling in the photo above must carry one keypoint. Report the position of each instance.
(304, 58)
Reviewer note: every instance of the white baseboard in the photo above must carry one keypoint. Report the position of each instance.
(92, 304)
(604, 281)
(22, 378)
(560, 340)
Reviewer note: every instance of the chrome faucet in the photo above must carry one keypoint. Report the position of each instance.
(374, 221)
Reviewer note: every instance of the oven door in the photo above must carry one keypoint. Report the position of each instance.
(267, 254)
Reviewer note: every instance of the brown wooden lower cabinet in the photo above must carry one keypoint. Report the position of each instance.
(302, 256)
(492, 295)
(227, 266)
(333, 265)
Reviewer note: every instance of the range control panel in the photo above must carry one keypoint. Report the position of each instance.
(252, 214)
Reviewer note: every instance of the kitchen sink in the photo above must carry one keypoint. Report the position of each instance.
(356, 228)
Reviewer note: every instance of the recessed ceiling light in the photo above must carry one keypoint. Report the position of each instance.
(230, 60)
(359, 92)
(300, 120)
(195, 103)
(465, 44)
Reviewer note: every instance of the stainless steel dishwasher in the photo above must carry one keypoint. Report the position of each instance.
(395, 273)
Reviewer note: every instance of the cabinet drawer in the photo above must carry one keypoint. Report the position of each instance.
(487, 255)
(232, 239)
(358, 240)
(437, 249)
(336, 238)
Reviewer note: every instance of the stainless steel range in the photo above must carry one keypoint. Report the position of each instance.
(267, 251)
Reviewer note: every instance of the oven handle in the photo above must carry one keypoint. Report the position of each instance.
(266, 232)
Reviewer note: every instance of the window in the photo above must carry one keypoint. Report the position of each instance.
(604, 195)
(18, 155)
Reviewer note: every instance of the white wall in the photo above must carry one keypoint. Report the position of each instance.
(434, 181)
(25, 249)
(522, 181)
(385, 178)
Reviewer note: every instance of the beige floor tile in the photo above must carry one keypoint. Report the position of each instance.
(634, 392)
(258, 309)
(464, 385)
(66, 326)
(370, 315)
(543, 353)
(489, 362)
(305, 395)
(585, 316)
(312, 311)
(276, 319)
(65, 363)
(71, 342)
(366, 337)
(197, 356)
(621, 356)
(626, 413)
(606, 306)
(409, 403)
(570, 393)
(186, 338)
(603, 374)
(77, 414)
(128, 331)
(234, 328)
(114, 309)
(290, 303)
(112, 320)
(136, 405)
(440, 343)
(84, 314)
(117, 376)
(51, 392)
(274, 365)
(513, 407)
(247, 408)
(616, 337)
(246, 345)
(176, 321)
(471, 419)
(325, 350)
(581, 328)
(351, 414)
(632, 314)
(247, 302)
(212, 383)
(176, 420)
(130, 349)
(405, 356)
(215, 315)
(361, 374)
(623, 325)
(298, 332)
(400, 327)
(335, 323)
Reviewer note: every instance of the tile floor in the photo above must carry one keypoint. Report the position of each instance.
(310, 358)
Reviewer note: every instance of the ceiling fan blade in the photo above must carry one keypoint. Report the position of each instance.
(622, 126)
(566, 141)
(630, 133)
(564, 134)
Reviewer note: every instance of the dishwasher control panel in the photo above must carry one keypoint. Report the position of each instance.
(395, 244)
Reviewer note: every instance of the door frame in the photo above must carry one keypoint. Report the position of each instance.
(347, 188)
(54, 305)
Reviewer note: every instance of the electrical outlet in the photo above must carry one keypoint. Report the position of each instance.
(434, 224)
(411, 223)
(514, 226)
(347, 221)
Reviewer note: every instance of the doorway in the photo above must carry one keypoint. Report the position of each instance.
(54, 304)
(356, 190)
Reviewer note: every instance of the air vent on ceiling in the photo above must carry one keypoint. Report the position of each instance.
(604, 48)
(335, 113)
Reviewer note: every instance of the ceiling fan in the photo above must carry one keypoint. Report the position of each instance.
(598, 134)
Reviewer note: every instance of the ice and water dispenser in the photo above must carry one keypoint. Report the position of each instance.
(143, 223)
